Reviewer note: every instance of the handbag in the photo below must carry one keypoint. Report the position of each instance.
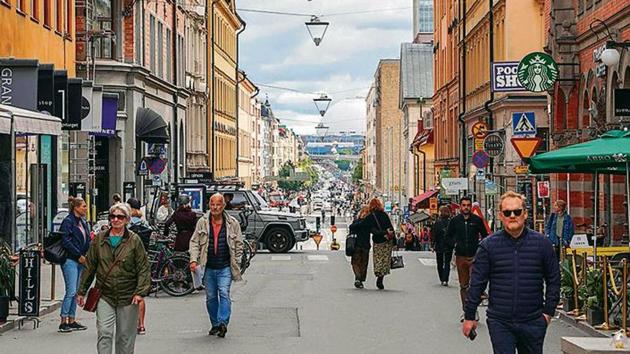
(94, 294)
(397, 261)
(54, 252)
(351, 244)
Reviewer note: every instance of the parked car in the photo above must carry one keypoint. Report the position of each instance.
(276, 231)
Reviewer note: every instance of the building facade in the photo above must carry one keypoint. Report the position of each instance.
(246, 129)
(416, 90)
(223, 54)
(583, 104)
(370, 162)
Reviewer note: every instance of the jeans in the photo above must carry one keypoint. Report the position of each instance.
(218, 302)
(443, 260)
(526, 337)
(119, 322)
(464, 269)
(71, 275)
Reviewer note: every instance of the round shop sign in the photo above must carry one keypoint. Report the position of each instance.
(537, 72)
(493, 145)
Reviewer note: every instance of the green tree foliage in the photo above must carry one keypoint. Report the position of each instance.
(288, 170)
(357, 174)
(343, 165)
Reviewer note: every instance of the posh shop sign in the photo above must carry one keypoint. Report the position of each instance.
(18, 83)
(505, 77)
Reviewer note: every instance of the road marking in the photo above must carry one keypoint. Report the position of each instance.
(428, 261)
(317, 258)
(280, 258)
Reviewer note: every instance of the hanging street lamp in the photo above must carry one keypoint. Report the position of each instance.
(322, 103)
(317, 29)
(321, 130)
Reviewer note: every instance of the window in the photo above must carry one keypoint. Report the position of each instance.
(168, 55)
(543, 133)
(235, 201)
(152, 43)
(59, 10)
(20, 6)
(34, 9)
(102, 22)
(47, 13)
(69, 18)
(160, 50)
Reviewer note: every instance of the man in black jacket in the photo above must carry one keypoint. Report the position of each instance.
(442, 245)
(466, 229)
(516, 261)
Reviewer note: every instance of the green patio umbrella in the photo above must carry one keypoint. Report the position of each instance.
(608, 154)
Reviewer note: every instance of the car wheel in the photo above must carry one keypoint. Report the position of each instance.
(278, 240)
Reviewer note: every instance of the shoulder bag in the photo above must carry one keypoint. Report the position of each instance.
(94, 294)
(390, 236)
(351, 244)
(54, 252)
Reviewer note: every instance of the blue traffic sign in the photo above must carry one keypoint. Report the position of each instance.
(523, 123)
(480, 159)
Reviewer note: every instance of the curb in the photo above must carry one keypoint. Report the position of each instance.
(583, 326)
(44, 310)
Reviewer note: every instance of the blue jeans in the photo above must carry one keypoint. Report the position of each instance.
(526, 337)
(71, 275)
(218, 302)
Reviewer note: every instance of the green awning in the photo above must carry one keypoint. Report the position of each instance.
(607, 154)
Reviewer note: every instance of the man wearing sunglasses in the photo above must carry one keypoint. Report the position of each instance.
(516, 261)
(466, 229)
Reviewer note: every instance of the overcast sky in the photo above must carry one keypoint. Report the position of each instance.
(277, 50)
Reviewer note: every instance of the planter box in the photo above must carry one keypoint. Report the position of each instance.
(568, 304)
(594, 316)
(4, 308)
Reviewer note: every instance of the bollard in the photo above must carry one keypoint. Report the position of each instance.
(606, 326)
(52, 282)
(576, 310)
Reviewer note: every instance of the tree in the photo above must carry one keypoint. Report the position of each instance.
(288, 170)
(357, 174)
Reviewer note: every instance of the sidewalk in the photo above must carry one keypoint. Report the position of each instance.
(47, 304)
(583, 325)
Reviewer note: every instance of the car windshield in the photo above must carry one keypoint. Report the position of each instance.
(260, 202)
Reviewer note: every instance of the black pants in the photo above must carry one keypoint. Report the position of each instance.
(526, 337)
(444, 264)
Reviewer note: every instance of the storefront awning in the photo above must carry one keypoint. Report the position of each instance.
(423, 197)
(151, 127)
(28, 122)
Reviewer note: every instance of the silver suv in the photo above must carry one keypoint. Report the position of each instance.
(278, 231)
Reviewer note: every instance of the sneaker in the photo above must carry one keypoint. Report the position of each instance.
(461, 318)
(222, 331)
(358, 284)
(476, 315)
(213, 331)
(142, 331)
(200, 288)
(76, 326)
(64, 328)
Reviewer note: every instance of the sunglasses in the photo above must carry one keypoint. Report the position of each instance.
(117, 216)
(516, 212)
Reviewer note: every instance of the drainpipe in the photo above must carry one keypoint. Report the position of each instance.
(238, 33)
(462, 90)
(211, 84)
(175, 129)
(486, 105)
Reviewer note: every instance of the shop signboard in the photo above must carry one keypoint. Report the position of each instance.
(543, 189)
(129, 190)
(491, 187)
(60, 95)
(46, 89)
(97, 110)
(30, 271)
(454, 185)
(537, 72)
(86, 106)
(493, 145)
(622, 102)
(505, 77)
(108, 116)
(74, 95)
(77, 189)
(18, 83)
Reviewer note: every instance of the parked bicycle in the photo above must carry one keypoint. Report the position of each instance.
(250, 245)
(169, 269)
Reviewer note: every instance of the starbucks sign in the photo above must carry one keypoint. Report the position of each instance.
(537, 72)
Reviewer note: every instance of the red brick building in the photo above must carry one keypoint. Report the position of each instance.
(582, 102)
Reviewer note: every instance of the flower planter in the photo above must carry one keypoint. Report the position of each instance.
(594, 316)
(568, 304)
(4, 308)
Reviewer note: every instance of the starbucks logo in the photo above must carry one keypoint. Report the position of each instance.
(537, 72)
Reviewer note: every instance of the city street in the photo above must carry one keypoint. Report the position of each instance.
(301, 302)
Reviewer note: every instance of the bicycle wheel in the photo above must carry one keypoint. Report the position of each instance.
(175, 276)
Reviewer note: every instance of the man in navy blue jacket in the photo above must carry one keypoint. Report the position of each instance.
(516, 261)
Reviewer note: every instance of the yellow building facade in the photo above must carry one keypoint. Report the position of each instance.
(222, 105)
(39, 29)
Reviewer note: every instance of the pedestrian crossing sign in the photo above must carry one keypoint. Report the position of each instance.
(523, 123)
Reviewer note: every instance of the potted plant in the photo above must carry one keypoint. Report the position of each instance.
(6, 280)
(566, 285)
(591, 294)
